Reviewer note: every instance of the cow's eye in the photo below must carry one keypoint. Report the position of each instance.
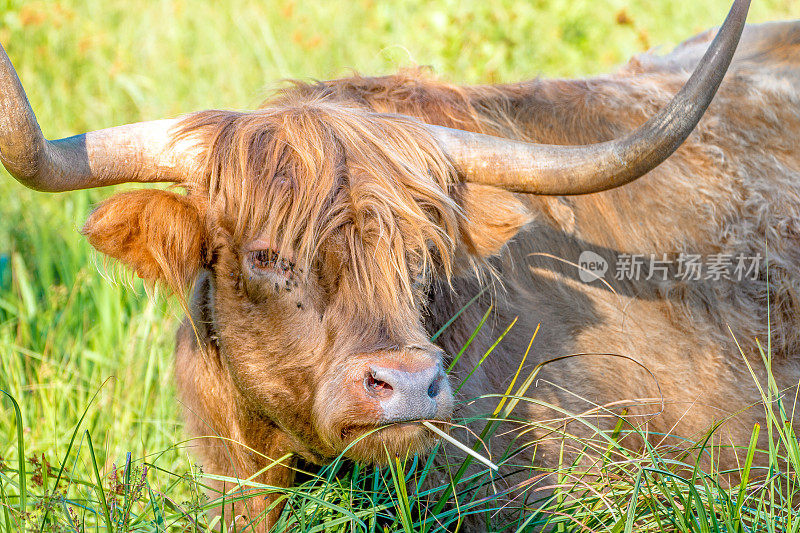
(269, 266)
(266, 273)
(270, 261)
(262, 259)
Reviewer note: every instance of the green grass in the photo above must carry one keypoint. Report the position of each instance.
(90, 435)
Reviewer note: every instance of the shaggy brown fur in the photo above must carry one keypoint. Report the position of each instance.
(380, 246)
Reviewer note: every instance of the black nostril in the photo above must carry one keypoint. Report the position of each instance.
(433, 390)
(377, 385)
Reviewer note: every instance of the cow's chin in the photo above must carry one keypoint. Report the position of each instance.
(379, 445)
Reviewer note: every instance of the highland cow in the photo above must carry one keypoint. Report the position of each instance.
(329, 233)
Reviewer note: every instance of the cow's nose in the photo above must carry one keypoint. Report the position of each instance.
(407, 395)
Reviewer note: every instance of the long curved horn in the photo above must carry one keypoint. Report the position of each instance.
(136, 152)
(564, 170)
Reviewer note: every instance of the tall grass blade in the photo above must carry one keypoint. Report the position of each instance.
(158, 516)
(401, 490)
(487, 353)
(516, 374)
(99, 480)
(23, 489)
(22, 277)
(470, 339)
(745, 478)
(66, 455)
(458, 314)
(3, 500)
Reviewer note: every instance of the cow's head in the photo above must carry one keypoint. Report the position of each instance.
(321, 226)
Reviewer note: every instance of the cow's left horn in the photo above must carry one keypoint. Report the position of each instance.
(562, 170)
(136, 152)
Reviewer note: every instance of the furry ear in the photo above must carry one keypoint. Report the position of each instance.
(156, 233)
(492, 217)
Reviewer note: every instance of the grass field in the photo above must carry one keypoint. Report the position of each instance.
(87, 355)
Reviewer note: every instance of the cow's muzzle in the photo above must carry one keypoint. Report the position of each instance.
(407, 395)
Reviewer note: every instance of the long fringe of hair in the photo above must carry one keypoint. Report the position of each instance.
(314, 171)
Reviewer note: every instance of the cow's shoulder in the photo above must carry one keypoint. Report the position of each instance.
(773, 46)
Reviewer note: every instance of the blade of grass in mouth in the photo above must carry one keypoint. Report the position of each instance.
(459, 445)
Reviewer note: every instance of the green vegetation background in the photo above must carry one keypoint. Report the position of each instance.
(72, 325)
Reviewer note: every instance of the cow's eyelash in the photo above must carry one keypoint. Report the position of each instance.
(270, 260)
(269, 266)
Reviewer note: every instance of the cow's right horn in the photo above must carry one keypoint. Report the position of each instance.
(136, 152)
(562, 170)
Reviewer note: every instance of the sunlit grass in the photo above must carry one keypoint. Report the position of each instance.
(85, 354)
(603, 487)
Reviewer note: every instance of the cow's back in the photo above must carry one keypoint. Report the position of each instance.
(772, 47)
(733, 189)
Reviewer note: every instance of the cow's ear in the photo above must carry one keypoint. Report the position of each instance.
(492, 217)
(156, 233)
